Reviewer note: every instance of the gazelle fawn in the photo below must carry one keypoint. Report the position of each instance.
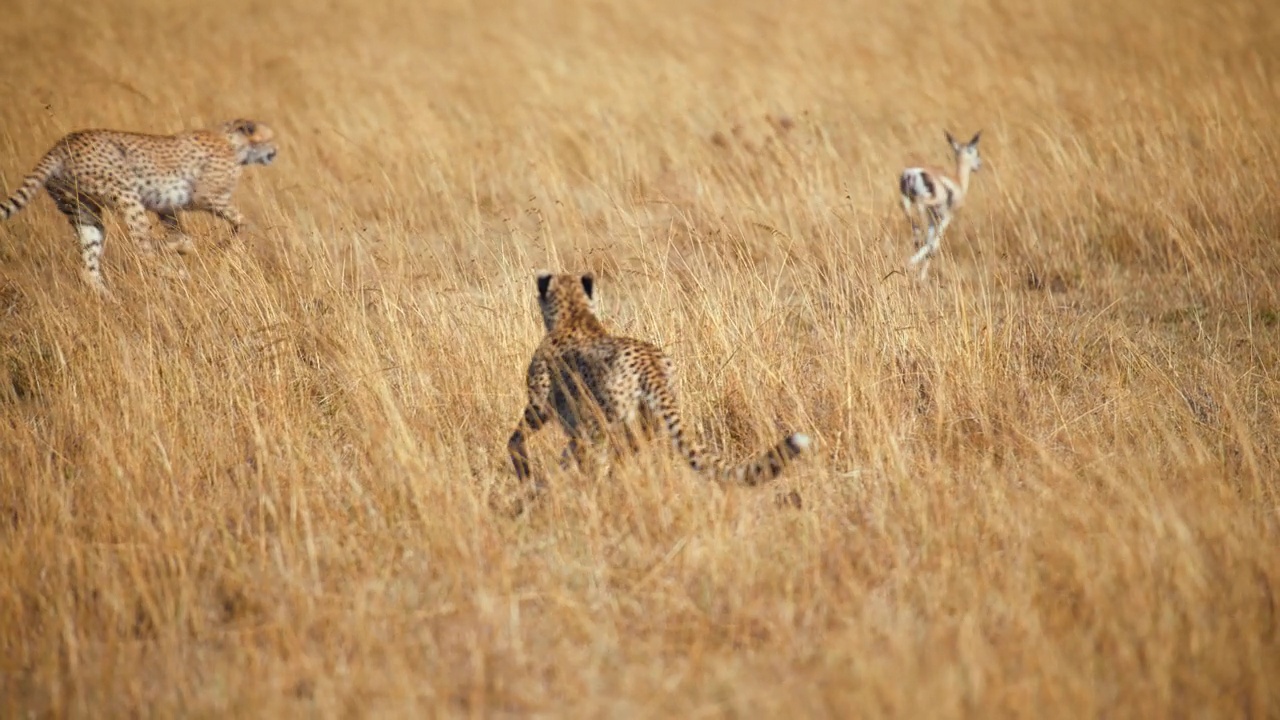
(932, 195)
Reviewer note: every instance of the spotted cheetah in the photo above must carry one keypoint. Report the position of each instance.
(89, 171)
(603, 388)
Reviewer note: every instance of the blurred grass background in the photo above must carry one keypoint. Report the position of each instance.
(1045, 482)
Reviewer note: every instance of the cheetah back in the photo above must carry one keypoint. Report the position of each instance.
(605, 379)
(162, 172)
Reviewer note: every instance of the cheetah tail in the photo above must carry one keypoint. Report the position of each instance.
(757, 471)
(50, 164)
(769, 465)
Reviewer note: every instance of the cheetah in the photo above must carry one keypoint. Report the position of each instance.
(603, 388)
(89, 171)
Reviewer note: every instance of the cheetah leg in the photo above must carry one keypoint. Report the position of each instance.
(85, 215)
(136, 221)
(569, 456)
(575, 454)
(222, 208)
(628, 436)
(535, 416)
(634, 435)
(139, 225)
(178, 240)
(91, 237)
(591, 456)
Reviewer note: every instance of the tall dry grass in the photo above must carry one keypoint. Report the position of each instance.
(1046, 480)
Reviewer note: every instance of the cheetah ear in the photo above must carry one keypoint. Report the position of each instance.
(248, 127)
(544, 283)
(588, 284)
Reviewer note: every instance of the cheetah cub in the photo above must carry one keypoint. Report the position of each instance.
(89, 171)
(605, 390)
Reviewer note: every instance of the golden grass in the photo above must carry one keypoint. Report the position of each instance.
(1046, 481)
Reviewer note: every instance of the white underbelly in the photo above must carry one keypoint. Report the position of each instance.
(173, 197)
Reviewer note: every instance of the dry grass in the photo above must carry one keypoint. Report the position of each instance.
(1046, 482)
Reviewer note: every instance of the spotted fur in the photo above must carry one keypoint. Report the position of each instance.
(90, 171)
(608, 392)
(933, 195)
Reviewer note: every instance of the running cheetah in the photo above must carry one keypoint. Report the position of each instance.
(89, 171)
(603, 388)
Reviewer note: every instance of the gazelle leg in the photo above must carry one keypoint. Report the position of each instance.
(925, 249)
(938, 223)
(926, 252)
(907, 210)
(937, 236)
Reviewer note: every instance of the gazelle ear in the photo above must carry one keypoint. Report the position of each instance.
(951, 140)
(974, 141)
(588, 284)
(544, 283)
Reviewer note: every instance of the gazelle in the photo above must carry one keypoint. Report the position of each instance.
(934, 196)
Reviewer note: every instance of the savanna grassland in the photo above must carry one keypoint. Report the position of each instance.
(1045, 481)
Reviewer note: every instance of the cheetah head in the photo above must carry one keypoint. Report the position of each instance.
(252, 140)
(564, 295)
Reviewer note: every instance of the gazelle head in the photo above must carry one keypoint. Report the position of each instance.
(967, 153)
